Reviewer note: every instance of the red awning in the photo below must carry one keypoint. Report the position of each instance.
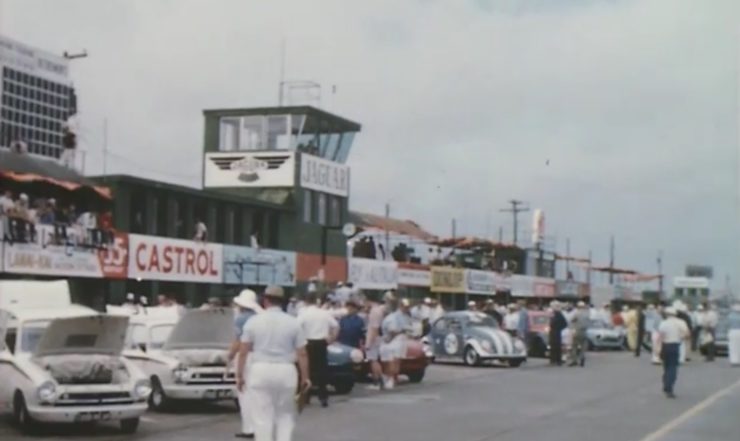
(104, 192)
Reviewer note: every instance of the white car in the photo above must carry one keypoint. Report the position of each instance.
(183, 356)
(64, 365)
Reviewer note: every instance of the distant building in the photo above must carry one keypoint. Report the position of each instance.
(38, 99)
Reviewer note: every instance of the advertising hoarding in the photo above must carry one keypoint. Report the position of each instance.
(73, 252)
(162, 258)
(448, 280)
(258, 266)
(373, 274)
(480, 282)
(324, 176)
(414, 277)
(249, 169)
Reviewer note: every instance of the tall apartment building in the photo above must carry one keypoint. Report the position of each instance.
(38, 98)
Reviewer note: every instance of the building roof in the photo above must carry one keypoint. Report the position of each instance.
(252, 199)
(338, 123)
(398, 226)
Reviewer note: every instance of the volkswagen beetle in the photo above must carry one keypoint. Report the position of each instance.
(474, 338)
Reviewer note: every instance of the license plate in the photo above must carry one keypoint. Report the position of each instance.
(92, 416)
(218, 394)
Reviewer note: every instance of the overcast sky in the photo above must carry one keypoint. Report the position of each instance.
(634, 104)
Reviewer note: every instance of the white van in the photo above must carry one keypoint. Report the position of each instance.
(184, 356)
(63, 363)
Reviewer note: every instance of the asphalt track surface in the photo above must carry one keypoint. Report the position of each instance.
(616, 397)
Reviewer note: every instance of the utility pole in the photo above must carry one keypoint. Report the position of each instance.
(516, 208)
(567, 253)
(611, 260)
(387, 234)
(500, 234)
(660, 273)
(454, 228)
(282, 73)
(105, 147)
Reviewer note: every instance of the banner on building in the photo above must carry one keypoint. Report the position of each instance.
(448, 280)
(480, 282)
(249, 169)
(373, 274)
(571, 288)
(258, 266)
(414, 277)
(70, 251)
(324, 176)
(530, 286)
(162, 258)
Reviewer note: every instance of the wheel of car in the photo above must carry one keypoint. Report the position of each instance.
(21, 417)
(344, 386)
(590, 346)
(515, 363)
(157, 399)
(416, 376)
(471, 357)
(130, 425)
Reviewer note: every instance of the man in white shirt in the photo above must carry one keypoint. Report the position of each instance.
(273, 341)
(320, 328)
(511, 320)
(673, 331)
(201, 231)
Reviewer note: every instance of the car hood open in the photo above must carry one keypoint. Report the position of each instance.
(93, 334)
(203, 329)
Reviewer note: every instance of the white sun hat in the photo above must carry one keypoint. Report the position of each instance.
(247, 299)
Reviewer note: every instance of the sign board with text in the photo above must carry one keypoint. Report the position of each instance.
(414, 277)
(480, 282)
(324, 176)
(162, 258)
(75, 252)
(249, 169)
(373, 274)
(258, 266)
(448, 280)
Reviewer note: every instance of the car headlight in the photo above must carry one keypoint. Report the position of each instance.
(180, 374)
(486, 345)
(334, 349)
(356, 356)
(47, 391)
(142, 389)
(519, 346)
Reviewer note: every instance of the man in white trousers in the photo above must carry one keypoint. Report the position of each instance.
(733, 336)
(246, 307)
(272, 343)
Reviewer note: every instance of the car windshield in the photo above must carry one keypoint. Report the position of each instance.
(598, 324)
(159, 335)
(482, 321)
(31, 334)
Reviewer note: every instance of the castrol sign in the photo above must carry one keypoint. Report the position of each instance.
(162, 258)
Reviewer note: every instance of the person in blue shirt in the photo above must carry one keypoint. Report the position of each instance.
(351, 326)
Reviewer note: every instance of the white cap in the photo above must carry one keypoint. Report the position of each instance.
(671, 311)
(427, 300)
(471, 303)
(247, 299)
(581, 304)
(24, 197)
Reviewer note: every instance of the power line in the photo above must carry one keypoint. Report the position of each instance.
(516, 208)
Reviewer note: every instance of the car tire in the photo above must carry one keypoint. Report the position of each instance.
(21, 417)
(515, 363)
(416, 376)
(471, 357)
(129, 426)
(590, 346)
(344, 386)
(158, 401)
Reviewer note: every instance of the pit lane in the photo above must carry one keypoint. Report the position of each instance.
(615, 397)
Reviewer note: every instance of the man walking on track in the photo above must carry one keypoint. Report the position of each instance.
(672, 332)
(246, 302)
(320, 328)
(557, 324)
(273, 342)
(580, 323)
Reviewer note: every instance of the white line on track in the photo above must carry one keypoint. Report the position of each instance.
(668, 427)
